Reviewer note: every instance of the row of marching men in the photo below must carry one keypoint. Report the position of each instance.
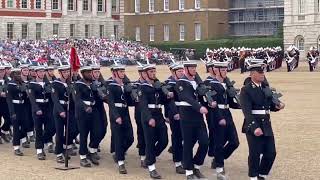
(186, 98)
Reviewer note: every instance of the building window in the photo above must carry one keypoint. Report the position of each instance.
(70, 5)
(181, 32)
(85, 5)
(317, 6)
(101, 31)
(301, 6)
(24, 31)
(166, 32)
(166, 5)
(300, 43)
(100, 5)
(24, 4)
(55, 29)
(197, 4)
(10, 3)
(115, 6)
(197, 30)
(55, 4)
(86, 31)
(151, 33)
(72, 30)
(38, 31)
(116, 31)
(151, 5)
(38, 4)
(10, 30)
(181, 4)
(138, 34)
(137, 6)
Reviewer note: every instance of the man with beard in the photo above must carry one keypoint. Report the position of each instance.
(86, 114)
(61, 93)
(256, 105)
(153, 123)
(118, 100)
(192, 123)
(16, 94)
(39, 93)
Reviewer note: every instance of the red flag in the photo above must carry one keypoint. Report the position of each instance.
(74, 60)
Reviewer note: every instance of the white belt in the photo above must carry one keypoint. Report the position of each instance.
(63, 102)
(154, 106)
(89, 103)
(17, 101)
(120, 105)
(223, 106)
(42, 100)
(182, 103)
(260, 112)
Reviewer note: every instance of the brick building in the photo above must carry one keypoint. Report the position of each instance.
(175, 20)
(44, 19)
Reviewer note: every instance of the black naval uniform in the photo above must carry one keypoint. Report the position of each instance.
(4, 111)
(225, 138)
(171, 110)
(256, 108)
(118, 101)
(60, 98)
(29, 118)
(156, 138)
(192, 124)
(17, 108)
(39, 94)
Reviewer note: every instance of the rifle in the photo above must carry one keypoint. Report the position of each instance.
(231, 90)
(272, 92)
(203, 90)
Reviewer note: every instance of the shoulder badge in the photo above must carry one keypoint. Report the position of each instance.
(253, 85)
(180, 88)
(52, 90)
(108, 92)
(139, 93)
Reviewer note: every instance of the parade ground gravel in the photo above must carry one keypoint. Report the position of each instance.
(297, 132)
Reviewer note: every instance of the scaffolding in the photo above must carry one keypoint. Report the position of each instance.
(255, 17)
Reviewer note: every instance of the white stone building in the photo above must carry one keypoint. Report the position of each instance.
(302, 24)
(44, 19)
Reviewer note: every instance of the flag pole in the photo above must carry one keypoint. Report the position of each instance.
(66, 166)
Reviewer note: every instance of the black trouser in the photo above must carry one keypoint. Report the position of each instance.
(122, 134)
(311, 67)
(140, 136)
(211, 138)
(61, 125)
(156, 138)
(43, 135)
(260, 145)
(176, 139)
(19, 124)
(87, 122)
(99, 128)
(4, 112)
(226, 142)
(191, 134)
(242, 65)
(28, 117)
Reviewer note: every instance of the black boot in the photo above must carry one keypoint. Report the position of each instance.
(198, 174)
(261, 178)
(6, 137)
(191, 177)
(143, 164)
(122, 169)
(93, 159)
(213, 164)
(32, 138)
(18, 152)
(74, 146)
(221, 175)
(85, 163)
(50, 148)
(71, 152)
(95, 155)
(41, 156)
(155, 175)
(60, 159)
(25, 145)
(180, 170)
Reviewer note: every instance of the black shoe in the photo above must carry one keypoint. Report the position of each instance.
(18, 152)
(155, 175)
(261, 178)
(44, 153)
(25, 145)
(60, 159)
(41, 156)
(213, 164)
(198, 174)
(95, 155)
(85, 163)
(191, 177)
(32, 138)
(50, 148)
(143, 164)
(114, 157)
(6, 137)
(74, 146)
(170, 150)
(122, 169)
(71, 152)
(180, 170)
(221, 175)
(93, 159)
